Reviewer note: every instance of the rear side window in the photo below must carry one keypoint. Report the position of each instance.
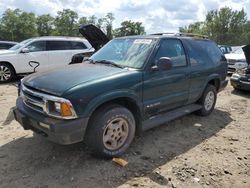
(77, 45)
(203, 51)
(65, 45)
(58, 45)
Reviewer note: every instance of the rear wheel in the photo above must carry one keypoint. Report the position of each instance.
(6, 73)
(207, 100)
(111, 131)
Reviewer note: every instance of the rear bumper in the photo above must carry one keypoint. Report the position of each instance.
(56, 130)
(236, 83)
(223, 84)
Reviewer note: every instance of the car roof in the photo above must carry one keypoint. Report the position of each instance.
(59, 38)
(8, 42)
(170, 35)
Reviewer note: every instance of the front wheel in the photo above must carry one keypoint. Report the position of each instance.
(6, 73)
(111, 131)
(207, 100)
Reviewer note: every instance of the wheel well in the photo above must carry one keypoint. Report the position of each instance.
(215, 83)
(6, 62)
(128, 103)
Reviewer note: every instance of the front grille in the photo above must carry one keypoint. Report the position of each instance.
(41, 102)
(231, 61)
(231, 69)
(32, 99)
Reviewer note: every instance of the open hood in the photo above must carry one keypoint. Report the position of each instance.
(246, 50)
(94, 35)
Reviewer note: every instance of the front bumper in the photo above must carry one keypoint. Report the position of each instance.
(243, 85)
(57, 130)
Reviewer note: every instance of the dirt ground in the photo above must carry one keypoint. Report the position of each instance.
(190, 152)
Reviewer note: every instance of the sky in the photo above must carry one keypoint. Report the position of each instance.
(156, 15)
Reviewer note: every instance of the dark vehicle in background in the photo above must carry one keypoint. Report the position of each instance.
(5, 45)
(225, 49)
(130, 85)
(241, 79)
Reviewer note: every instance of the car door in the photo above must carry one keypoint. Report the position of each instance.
(60, 53)
(35, 58)
(165, 90)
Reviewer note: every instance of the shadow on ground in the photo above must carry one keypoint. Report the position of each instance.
(14, 82)
(35, 162)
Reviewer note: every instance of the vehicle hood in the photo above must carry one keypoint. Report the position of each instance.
(246, 50)
(235, 56)
(94, 35)
(58, 81)
(7, 52)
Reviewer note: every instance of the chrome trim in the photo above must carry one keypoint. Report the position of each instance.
(45, 98)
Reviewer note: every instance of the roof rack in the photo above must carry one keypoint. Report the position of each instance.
(183, 35)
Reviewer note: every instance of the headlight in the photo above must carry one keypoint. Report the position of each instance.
(62, 109)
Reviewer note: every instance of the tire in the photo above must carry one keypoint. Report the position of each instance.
(110, 131)
(7, 73)
(207, 100)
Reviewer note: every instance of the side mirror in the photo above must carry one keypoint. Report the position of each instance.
(164, 63)
(25, 50)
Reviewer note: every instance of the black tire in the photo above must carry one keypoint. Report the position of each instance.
(99, 128)
(205, 111)
(7, 73)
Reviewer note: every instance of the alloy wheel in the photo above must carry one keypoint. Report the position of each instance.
(115, 134)
(209, 100)
(5, 73)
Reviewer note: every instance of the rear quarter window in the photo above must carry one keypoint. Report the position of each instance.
(203, 51)
(65, 45)
(75, 45)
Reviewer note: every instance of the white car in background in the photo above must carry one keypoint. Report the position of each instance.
(4, 45)
(236, 59)
(39, 54)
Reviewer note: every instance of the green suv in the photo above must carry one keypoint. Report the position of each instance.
(129, 85)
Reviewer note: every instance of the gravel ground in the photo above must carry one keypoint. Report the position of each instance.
(190, 152)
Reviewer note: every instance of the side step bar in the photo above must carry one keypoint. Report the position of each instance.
(169, 116)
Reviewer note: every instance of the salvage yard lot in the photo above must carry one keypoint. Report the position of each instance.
(192, 151)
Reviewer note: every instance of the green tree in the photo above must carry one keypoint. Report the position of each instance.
(92, 20)
(45, 25)
(130, 28)
(109, 18)
(225, 26)
(66, 23)
(100, 22)
(197, 28)
(83, 20)
(17, 25)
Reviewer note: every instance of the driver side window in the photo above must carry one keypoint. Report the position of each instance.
(173, 49)
(37, 46)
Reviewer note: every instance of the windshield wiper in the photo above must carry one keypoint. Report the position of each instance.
(106, 62)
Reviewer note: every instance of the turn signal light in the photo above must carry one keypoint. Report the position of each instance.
(66, 109)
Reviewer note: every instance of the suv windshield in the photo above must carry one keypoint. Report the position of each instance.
(21, 44)
(125, 52)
